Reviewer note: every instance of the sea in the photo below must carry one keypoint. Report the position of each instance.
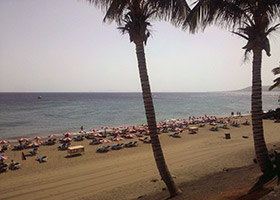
(26, 115)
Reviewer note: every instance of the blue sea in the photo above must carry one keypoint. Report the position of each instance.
(24, 115)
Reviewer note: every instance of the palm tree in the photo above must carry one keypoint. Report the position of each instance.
(253, 20)
(133, 17)
(275, 71)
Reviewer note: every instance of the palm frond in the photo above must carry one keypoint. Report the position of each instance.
(241, 35)
(271, 29)
(276, 70)
(224, 13)
(174, 11)
(276, 84)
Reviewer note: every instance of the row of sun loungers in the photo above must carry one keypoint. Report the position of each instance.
(12, 166)
(104, 149)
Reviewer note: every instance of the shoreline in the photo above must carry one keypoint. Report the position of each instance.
(13, 140)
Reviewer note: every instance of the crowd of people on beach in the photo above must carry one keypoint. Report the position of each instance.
(174, 127)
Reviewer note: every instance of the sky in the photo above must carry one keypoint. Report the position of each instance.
(64, 46)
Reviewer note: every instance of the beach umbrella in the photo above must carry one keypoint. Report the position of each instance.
(34, 144)
(97, 135)
(52, 135)
(118, 132)
(130, 136)
(4, 141)
(178, 129)
(93, 130)
(134, 126)
(23, 139)
(146, 132)
(132, 130)
(105, 127)
(67, 134)
(3, 157)
(37, 137)
(140, 129)
(82, 132)
(67, 139)
(105, 141)
(117, 139)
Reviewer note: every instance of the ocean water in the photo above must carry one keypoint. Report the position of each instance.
(24, 115)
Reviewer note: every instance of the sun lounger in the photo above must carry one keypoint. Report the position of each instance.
(95, 142)
(130, 144)
(14, 166)
(3, 167)
(50, 141)
(145, 140)
(176, 135)
(42, 159)
(90, 136)
(33, 152)
(142, 139)
(103, 149)
(202, 125)
(63, 146)
(214, 128)
(246, 123)
(18, 147)
(78, 138)
(117, 146)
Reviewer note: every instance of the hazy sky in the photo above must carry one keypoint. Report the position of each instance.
(63, 46)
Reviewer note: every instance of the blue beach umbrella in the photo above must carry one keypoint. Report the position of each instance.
(4, 141)
(67, 134)
(130, 136)
(117, 139)
(105, 127)
(52, 135)
(23, 139)
(67, 139)
(37, 137)
(105, 141)
(34, 144)
(82, 132)
(118, 132)
(125, 127)
(93, 130)
(97, 135)
(3, 157)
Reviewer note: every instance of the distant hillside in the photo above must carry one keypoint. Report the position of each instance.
(264, 88)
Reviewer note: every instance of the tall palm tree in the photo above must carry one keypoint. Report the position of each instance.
(133, 17)
(275, 71)
(253, 20)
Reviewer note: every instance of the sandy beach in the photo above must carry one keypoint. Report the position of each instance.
(202, 165)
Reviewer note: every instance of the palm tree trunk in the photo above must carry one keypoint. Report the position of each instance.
(257, 114)
(151, 119)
